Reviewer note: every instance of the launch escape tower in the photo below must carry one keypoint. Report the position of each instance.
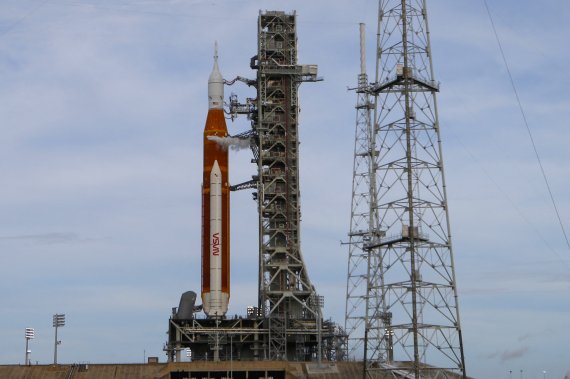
(401, 287)
(287, 322)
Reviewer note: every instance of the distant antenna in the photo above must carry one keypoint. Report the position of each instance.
(362, 48)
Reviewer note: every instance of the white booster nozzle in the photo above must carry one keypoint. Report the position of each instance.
(215, 84)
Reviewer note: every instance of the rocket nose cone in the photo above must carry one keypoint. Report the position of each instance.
(215, 84)
(216, 168)
(215, 76)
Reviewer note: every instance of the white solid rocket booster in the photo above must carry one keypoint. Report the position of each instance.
(216, 302)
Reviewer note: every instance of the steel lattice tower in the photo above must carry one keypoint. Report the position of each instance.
(286, 295)
(412, 325)
(363, 218)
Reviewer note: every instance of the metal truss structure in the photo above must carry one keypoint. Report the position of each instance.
(246, 338)
(286, 295)
(411, 321)
(363, 217)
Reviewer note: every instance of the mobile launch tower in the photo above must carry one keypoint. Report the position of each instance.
(287, 323)
(286, 296)
(401, 305)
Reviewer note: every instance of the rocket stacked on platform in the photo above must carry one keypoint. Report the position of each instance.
(215, 203)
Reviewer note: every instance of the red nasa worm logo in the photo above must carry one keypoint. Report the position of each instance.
(216, 244)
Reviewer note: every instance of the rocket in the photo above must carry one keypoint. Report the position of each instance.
(215, 203)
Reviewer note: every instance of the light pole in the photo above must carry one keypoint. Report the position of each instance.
(544, 374)
(58, 320)
(29, 336)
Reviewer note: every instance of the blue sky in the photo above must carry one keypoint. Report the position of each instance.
(103, 105)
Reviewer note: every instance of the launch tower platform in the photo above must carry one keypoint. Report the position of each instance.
(246, 339)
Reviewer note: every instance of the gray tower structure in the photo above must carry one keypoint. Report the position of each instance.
(411, 318)
(286, 296)
(363, 217)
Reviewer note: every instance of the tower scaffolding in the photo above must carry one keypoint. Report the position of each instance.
(363, 217)
(411, 321)
(286, 295)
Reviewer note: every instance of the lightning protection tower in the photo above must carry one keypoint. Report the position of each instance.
(411, 319)
(363, 217)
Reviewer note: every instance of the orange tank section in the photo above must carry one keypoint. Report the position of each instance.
(215, 127)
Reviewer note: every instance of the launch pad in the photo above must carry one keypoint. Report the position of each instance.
(246, 339)
(287, 323)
